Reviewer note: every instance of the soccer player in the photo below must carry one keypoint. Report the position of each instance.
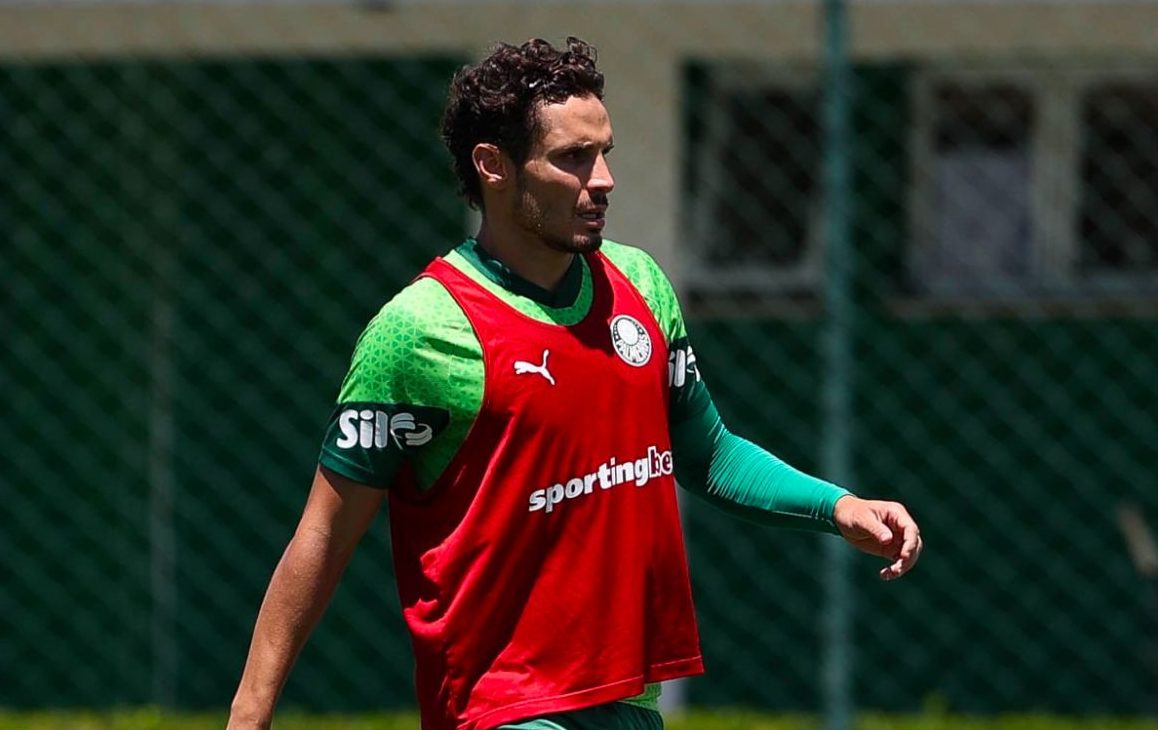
(526, 406)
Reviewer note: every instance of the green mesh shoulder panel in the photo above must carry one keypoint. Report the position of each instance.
(420, 350)
(557, 315)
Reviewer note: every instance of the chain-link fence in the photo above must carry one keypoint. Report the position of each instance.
(202, 206)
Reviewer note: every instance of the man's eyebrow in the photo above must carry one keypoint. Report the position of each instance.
(586, 145)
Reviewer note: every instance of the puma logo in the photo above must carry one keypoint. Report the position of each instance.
(522, 367)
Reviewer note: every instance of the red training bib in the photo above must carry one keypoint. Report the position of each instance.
(545, 570)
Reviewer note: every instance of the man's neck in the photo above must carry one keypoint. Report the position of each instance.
(531, 259)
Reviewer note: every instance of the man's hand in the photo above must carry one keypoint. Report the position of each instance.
(880, 528)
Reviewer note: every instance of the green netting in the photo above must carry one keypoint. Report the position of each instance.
(191, 247)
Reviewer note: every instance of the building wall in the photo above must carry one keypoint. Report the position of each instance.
(642, 47)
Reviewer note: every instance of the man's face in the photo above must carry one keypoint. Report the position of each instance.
(563, 186)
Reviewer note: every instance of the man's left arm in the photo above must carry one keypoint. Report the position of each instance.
(742, 478)
(746, 480)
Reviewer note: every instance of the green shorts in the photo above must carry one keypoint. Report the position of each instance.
(612, 716)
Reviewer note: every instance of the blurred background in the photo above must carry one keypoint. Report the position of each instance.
(917, 247)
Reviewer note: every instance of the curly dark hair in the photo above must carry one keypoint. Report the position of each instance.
(496, 100)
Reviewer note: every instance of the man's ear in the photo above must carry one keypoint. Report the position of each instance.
(495, 168)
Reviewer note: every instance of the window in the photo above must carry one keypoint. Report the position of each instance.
(1035, 183)
(979, 187)
(755, 199)
(1119, 175)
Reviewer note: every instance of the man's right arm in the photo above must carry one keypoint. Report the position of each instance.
(337, 514)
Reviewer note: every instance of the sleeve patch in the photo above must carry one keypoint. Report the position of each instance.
(681, 365)
(688, 394)
(378, 426)
(368, 441)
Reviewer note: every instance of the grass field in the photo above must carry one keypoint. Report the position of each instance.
(720, 720)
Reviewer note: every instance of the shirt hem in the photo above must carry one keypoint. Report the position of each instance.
(348, 469)
(614, 692)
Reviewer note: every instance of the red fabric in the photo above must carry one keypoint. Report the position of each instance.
(525, 596)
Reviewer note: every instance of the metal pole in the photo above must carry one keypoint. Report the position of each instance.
(162, 485)
(838, 366)
(152, 232)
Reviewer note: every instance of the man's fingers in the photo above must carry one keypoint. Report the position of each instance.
(897, 569)
(892, 572)
(910, 551)
(911, 542)
(880, 532)
(911, 545)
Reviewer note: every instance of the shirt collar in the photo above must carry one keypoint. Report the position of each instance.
(563, 295)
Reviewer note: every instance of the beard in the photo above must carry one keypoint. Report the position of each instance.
(532, 218)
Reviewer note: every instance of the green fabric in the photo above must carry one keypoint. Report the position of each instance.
(405, 427)
(743, 479)
(649, 700)
(495, 277)
(613, 716)
(419, 350)
(564, 295)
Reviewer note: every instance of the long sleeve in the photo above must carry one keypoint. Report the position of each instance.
(744, 479)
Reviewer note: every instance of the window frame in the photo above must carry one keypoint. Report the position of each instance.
(1055, 178)
(769, 281)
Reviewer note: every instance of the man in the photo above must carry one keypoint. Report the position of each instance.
(525, 405)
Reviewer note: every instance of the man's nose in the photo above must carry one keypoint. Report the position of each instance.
(601, 180)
